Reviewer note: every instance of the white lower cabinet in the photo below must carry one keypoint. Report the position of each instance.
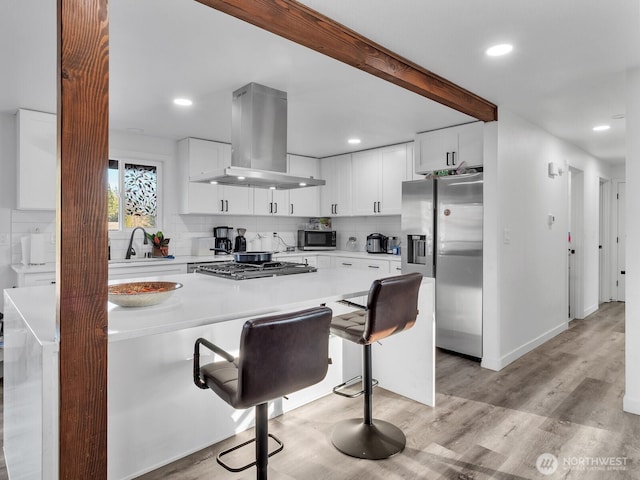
(311, 260)
(36, 279)
(134, 270)
(362, 263)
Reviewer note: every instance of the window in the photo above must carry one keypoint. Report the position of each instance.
(133, 195)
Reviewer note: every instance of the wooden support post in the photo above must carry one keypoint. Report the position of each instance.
(81, 225)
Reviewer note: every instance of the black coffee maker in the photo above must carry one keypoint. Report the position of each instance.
(241, 242)
(222, 242)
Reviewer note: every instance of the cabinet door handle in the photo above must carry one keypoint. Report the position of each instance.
(378, 207)
(453, 159)
(333, 208)
(448, 153)
(276, 207)
(374, 207)
(291, 208)
(222, 205)
(336, 208)
(226, 204)
(270, 207)
(347, 264)
(373, 266)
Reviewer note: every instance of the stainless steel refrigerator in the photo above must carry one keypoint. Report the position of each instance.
(442, 238)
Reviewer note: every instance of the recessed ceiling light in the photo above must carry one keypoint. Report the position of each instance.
(498, 50)
(241, 178)
(213, 182)
(354, 141)
(302, 184)
(183, 102)
(272, 188)
(601, 128)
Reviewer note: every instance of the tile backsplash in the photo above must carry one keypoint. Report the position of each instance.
(183, 229)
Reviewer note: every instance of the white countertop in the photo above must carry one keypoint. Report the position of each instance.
(203, 300)
(122, 263)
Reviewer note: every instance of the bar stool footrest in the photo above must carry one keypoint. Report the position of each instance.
(337, 389)
(244, 444)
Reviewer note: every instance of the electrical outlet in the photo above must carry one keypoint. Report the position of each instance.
(4, 239)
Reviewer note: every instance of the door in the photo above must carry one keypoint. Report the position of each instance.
(622, 240)
(459, 264)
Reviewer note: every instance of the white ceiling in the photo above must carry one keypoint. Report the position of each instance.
(566, 73)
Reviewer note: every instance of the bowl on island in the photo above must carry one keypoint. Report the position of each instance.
(141, 294)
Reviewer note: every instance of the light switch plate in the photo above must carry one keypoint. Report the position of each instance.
(506, 236)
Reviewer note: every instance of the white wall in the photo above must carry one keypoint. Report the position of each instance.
(631, 401)
(526, 302)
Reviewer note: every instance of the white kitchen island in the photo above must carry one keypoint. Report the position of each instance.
(155, 412)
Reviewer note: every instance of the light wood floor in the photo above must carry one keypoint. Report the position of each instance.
(564, 398)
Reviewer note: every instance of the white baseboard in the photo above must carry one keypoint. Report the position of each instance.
(631, 405)
(498, 363)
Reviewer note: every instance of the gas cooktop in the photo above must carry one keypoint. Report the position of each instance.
(244, 271)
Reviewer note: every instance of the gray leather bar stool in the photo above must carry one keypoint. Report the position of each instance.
(392, 307)
(279, 354)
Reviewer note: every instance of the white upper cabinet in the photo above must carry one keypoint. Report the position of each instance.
(447, 148)
(37, 170)
(377, 180)
(335, 196)
(197, 156)
(304, 202)
(270, 202)
(298, 202)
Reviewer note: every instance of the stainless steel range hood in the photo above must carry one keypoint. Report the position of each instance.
(258, 143)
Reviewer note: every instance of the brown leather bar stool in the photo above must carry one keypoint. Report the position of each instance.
(279, 354)
(392, 307)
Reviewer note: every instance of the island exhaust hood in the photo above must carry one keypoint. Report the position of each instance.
(258, 143)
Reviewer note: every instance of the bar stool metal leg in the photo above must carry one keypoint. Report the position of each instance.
(368, 438)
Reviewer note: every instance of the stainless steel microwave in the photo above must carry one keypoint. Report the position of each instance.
(316, 239)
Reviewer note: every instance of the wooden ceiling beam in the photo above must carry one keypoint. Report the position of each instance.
(305, 26)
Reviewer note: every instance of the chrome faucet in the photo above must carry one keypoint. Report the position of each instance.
(130, 250)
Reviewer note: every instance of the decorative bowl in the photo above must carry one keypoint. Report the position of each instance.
(141, 294)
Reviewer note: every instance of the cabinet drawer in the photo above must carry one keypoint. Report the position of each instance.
(38, 279)
(362, 263)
